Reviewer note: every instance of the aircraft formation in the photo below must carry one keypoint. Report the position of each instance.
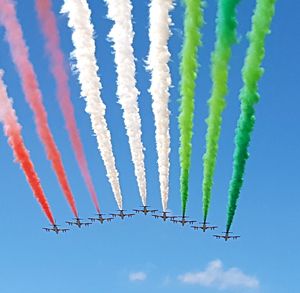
(78, 14)
(122, 214)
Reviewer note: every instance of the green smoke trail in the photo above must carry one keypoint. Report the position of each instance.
(249, 96)
(192, 41)
(226, 37)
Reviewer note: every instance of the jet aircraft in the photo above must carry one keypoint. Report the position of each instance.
(100, 218)
(78, 222)
(183, 221)
(145, 210)
(164, 216)
(226, 237)
(204, 226)
(122, 215)
(55, 229)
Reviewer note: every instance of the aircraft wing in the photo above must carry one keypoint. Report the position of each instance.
(71, 223)
(47, 229)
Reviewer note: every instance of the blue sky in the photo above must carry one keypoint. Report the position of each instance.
(142, 254)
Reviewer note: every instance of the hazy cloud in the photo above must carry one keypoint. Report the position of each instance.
(166, 281)
(137, 277)
(215, 276)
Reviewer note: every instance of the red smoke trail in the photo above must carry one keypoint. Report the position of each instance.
(12, 130)
(50, 30)
(20, 56)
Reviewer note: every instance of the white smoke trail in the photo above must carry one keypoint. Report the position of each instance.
(82, 36)
(159, 56)
(121, 36)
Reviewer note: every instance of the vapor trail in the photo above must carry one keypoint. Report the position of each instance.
(121, 36)
(20, 56)
(82, 36)
(159, 56)
(226, 37)
(51, 33)
(12, 130)
(252, 72)
(189, 66)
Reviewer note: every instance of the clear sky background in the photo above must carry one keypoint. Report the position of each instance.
(143, 254)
